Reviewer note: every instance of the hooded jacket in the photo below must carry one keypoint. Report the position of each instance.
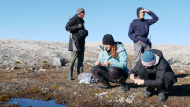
(160, 67)
(72, 26)
(120, 61)
(140, 27)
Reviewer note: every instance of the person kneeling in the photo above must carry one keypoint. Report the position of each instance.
(154, 72)
(111, 65)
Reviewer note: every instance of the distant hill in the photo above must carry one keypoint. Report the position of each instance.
(30, 52)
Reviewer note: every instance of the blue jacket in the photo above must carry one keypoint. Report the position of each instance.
(120, 61)
(140, 27)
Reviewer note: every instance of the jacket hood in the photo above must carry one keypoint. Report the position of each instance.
(158, 54)
(119, 47)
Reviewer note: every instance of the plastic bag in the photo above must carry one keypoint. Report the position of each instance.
(86, 78)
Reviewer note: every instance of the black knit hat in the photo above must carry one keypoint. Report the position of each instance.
(108, 39)
(138, 10)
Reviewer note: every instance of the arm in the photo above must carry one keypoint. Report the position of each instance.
(158, 80)
(70, 25)
(136, 68)
(131, 32)
(100, 57)
(152, 21)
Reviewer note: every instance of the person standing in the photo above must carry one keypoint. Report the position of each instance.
(111, 65)
(138, 32)
(154, 71)
(77, 37)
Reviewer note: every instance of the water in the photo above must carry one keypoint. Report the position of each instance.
(24, 102)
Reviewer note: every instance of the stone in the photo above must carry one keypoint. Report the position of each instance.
(13, 68)
(42, 70)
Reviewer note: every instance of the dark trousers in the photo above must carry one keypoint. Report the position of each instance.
(169, 77)
(112, 75)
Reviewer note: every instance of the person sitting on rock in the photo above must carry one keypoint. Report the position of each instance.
(154, 72)
(111, 65)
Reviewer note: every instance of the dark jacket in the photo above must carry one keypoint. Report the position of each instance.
(160, 67)
(72, 26)
(140, 27)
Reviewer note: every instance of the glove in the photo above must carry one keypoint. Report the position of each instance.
(80, 25)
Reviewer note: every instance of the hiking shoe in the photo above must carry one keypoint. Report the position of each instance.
(161, 96)
(105, 83)
(104, 86)
(121, 81)
(125, 88)
(149, 92)
(70, 79)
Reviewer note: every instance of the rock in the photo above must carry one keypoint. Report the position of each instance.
(7, 69)
(165, 106)
(42, 69)
(31, 68)
(13, 68)
(122, 99)
(57, 61)
(130, 100)
(181, 71)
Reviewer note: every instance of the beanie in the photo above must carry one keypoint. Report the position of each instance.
(138, 10)
(148, 58)
(108, 39)
(79, 10)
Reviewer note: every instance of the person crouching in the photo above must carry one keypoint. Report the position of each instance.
(111, 65)
(154, 72)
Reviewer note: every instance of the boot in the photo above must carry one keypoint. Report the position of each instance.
(79, 70)
(161, 94)
(70, 74)
(149, 92)
(125, 87)
(105, 83)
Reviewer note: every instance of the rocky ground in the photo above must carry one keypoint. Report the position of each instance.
(48, 81)
(53, 84)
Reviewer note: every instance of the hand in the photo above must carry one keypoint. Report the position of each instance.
(147, 11)
(80, 25)
(106, 64)
(132, 77)
(139, 41)
(139, 82)
(97, 62)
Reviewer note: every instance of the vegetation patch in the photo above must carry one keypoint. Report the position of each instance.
(54, 86)
(44, 61)
(17, 62)
(5, 98)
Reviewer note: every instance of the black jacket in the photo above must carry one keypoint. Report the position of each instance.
(72, 26)
(160, 67)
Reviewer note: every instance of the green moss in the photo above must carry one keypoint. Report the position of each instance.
(17, 62)
(44, 61)
(29, 71)
(26, 63)
(54, 86)
(49, 95)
